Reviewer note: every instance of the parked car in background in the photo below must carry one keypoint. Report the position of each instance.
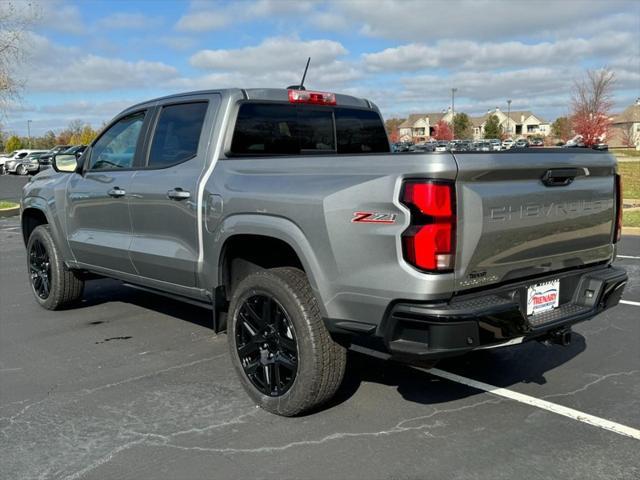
(495, 144)
(11, 164)
(75, 150)
(459, 146)
(522, 143)
(424, 147)
(537, 142)
(27, 164)
(575, 142)
(48, 156)
(483, 146)
(600, 146)
(441, 146)
(507, 143)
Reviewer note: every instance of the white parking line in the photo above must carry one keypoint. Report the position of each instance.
(627, 256)
(543, 404)
(629, 302)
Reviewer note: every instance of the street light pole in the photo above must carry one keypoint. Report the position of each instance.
(509, 117)
(29, 131)
(453, 111)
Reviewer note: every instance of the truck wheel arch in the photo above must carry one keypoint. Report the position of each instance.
(30, 219)
(257, 242)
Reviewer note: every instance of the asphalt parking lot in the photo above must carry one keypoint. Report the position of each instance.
(133, 385)
(11, 187)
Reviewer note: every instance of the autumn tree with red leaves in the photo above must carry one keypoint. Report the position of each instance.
(443, 131)
(591, 105)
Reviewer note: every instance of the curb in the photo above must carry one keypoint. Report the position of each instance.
(9, 212)
(631, 230)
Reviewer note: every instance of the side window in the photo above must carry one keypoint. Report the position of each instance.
(360, 131)
(116, 148)
(177, 134)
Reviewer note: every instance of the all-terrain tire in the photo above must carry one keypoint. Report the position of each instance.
(321, 361)
(65, 286)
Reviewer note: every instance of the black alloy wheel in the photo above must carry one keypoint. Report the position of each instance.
(266, 345)
(40, 269)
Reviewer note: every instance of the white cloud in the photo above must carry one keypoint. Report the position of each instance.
(177, 42)
(56, 68)
(128, 20)
(62, 17)
(273, 53)
(202, 21)
(416, 20)
(466, 54)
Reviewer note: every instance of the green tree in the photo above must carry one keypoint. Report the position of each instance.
(492, 128)
(462, 126)
(561, 128)
(13, 143)
(87, 135)
(48, 140)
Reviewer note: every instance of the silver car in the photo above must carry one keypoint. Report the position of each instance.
(27, 163)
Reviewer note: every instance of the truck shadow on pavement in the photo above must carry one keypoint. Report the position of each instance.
(525, 363)
(102, 291)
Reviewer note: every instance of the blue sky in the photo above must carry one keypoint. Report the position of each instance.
(89, 60)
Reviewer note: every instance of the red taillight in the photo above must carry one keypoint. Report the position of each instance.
(430, 198)
(618, 233)
(429, 242)
(316, 98)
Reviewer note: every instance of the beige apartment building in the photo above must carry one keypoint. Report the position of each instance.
(419, 127)
(518, 124)
(625, 128)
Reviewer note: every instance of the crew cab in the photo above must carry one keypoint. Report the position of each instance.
(285, 213)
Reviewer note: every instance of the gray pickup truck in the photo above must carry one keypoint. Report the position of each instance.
(284, 212)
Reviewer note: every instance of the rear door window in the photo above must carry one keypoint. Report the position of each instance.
(177, 134)
(277, 129)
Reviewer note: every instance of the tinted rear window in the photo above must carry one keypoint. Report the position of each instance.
(272, 129)
(177, 134)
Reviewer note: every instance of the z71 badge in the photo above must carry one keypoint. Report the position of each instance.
(373, 217)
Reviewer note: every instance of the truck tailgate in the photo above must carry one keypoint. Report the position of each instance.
(512, 223)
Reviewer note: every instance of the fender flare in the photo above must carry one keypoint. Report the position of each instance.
(281, 229)
(41, 204)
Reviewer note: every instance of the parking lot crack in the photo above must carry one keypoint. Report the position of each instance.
(400, 427)
(600, 378)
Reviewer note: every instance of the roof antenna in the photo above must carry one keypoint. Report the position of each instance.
(304, 75)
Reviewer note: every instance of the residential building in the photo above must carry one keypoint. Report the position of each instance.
(419, 127)
(625, 128)
(519, 123)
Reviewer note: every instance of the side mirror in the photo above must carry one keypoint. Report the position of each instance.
(64, 163)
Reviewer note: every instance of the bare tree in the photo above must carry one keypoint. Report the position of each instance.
(15, 19)
(591, 105)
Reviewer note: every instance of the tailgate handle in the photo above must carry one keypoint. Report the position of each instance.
(558, 177)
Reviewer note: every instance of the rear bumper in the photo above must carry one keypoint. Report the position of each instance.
(495, 318)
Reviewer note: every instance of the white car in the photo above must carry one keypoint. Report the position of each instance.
(441, 146)
(507, 143)
(495, 144)
(10, 163)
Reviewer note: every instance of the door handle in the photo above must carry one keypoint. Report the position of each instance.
(178, 194)
(559, 177)
(116, 192)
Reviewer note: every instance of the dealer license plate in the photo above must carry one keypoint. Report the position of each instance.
(543, 297)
